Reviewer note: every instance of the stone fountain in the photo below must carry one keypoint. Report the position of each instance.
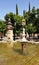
(9, 33)
(23, 40)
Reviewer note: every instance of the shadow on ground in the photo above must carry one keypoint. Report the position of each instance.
(19, 51)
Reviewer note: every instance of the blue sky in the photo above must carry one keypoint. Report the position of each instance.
(7, 6)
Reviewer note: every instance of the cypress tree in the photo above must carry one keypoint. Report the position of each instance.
(29, 6)
(16, 9)
(23, 12)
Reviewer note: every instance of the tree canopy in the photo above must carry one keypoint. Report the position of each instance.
(31, 17)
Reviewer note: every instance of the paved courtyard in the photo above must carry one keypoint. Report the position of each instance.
(14, 56)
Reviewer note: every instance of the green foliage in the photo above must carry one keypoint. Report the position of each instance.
(30, 28)
(2, 26)
(29, 6)
(30, 17)
(16, 9)
(18, 21)
(33, 10)
(11, 16)
(6, 17)
(24, 12)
